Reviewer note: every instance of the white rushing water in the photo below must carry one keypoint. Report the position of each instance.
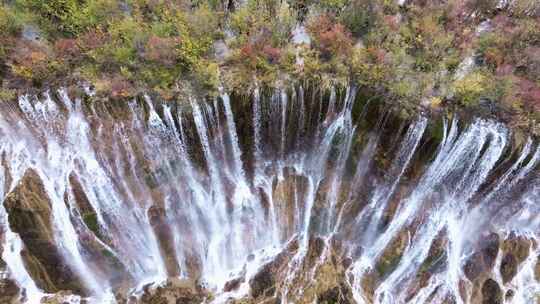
(213, 190)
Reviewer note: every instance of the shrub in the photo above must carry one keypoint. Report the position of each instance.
(203, 23)
(333, 6)
(272, 54)
(126, 31)
(331, 38)
(525, 8)
(7, 94)
(66, 48)
(56, 17)
(471, 88)
(120, 87)
(161, 50)
(30, 61)
(207, 75)
(359, 17)
(9, 29)
(529, 93)
(9, 23)
(95, 13)
(483, 8)
(93, 39)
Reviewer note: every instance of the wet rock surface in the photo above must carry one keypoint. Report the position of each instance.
(491, 292)
(157, 217)
(483, 259)
(63, 297)
(509, 267)
(172, 291)
(516, 249)
(317, 277)
(29, 210)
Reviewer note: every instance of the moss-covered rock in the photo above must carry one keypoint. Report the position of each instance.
(516, 249)
(97, 244)
(30, 215)
(491, 292)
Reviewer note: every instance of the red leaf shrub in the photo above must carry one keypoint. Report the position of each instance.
(332, 38)
(377, 55)
(248, 54)
(66, 48)
(161, 50)
(272, 54)
(529, 93)
(120, 87)
(260, 46)
(93, 39)
(28, 54)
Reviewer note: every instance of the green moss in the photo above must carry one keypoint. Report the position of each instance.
(436, 131)
(107, 253)
(386, 266)
(432, 261)
(91, 221)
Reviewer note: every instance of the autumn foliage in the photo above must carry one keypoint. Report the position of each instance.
(161, 50)
(331, 38)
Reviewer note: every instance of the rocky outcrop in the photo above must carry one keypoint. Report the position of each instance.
(173, 291)
(317, 277)
(385, 264)
(511, 250)
(98, 246)
(483, 259)
(286, 193)
(515, 251)
(322, 275)
(270, 277)
(491, 292)
(161, 227)
(87, 212)
(29, 213)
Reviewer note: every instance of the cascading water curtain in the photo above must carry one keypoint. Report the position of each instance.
(300, 195)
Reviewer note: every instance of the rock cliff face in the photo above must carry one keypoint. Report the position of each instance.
(30, 215)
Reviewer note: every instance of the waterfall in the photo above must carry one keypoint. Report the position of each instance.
(406, 210)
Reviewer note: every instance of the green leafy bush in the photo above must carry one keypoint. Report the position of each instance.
(474, 86)
(9, 22)
(56, 17)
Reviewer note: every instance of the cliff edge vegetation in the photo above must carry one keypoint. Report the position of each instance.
(414, 53)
